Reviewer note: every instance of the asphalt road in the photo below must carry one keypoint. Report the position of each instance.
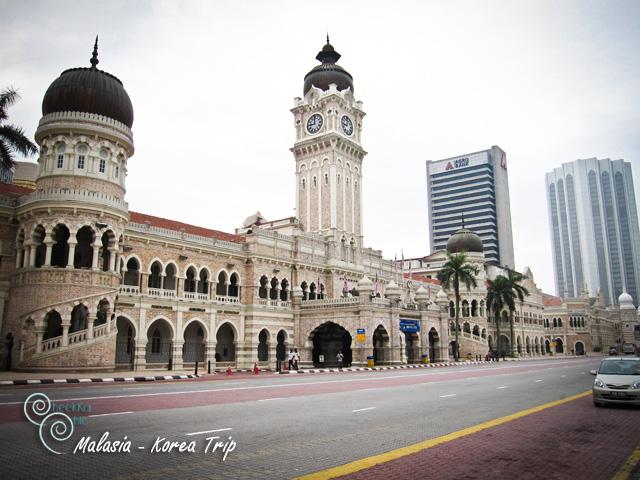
(281, 426)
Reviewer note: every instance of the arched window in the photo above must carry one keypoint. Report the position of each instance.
(60, 250)
(352, 250)
(108, 249)
(273, 291)
(234, 285)
(156, 340)
(41, 248)
(170, 280)
(221, 287)
(474, 308)
(132, 275)
(190, 280)
(312, 291)
(465, 308)
(203, 284)
(155, 278)
(83, 257)
(263, 291)
(305, 292)
(284, 290)
(452, 310)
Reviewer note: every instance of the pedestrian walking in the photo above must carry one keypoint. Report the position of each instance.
(339, 359)
(291, 359)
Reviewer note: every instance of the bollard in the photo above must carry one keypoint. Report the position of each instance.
(170, 363)
(209, 366)
(196, 372)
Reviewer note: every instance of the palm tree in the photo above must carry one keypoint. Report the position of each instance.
(518, 292)
(12, 138)
(454, 272)
(499, 295)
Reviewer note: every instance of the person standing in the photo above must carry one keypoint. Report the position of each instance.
(339, 359)
(296, 358)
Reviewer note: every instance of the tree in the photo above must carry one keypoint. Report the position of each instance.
(454, 272)
(499, 295)
(12, 137)
(518, 291)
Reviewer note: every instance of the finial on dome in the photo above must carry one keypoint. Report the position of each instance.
(463, 220)
(327, 36)
(94, 57)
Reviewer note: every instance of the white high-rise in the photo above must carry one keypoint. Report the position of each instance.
(594, 228)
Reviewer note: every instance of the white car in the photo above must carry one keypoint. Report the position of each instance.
(617, 381)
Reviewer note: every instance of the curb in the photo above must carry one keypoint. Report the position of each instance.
(49, 381)
(375, 369)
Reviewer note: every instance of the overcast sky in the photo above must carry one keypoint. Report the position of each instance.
(212, 84)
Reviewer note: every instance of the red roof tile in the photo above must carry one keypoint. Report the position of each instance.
(12, 190)
(422, 278)
(179, 226)
(551, 300)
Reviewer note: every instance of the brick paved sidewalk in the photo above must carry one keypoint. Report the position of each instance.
(571, 441)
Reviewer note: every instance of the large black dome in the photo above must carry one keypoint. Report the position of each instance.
(89, 90)
(328, 72)
(464, 240)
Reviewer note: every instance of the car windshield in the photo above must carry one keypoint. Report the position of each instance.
(620, 367)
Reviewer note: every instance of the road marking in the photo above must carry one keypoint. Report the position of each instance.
(627, 469)
(362, 409)
(209, 431)
(268, 399)
(537, 381)
(296, 383)
(374, 460)
(563, 376)
(500, 388)
(105, 414)
(447, 396)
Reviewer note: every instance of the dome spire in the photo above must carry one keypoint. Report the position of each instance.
(463, 220)
(328, 53)
(94, 57)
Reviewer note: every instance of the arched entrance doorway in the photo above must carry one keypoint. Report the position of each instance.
(159, 343)
(194, 343)
(329, 339)
(263, 345)
(504, 346)
(434, 345)
(547, 346)
(559, 345)
(225, 344)
(579, 348)
(125, 343)
(281, 347)
(380, 346)
(412, 347)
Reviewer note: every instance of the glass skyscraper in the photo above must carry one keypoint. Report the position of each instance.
(594, 228)
(474, 186)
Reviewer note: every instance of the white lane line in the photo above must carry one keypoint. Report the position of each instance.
(362, 409)
(209, 431)
(279, 385)
(268, 399)
(447, 396)
(536, 381)
(105, 414)
(563, 376)
(499, 388)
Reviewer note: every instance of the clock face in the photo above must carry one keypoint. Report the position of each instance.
(347, 125)
(314, 123)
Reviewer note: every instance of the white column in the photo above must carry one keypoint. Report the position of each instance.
(32, 255)
(113, 251)
(96, 255)
(72, 251)
(47, 258)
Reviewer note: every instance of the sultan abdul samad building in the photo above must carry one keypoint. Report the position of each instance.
(85, 283)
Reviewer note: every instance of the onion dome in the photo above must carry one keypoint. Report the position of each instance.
(625, 301)
(392, 291)
(464, 240)
(321, 76)
(89, 90)
(421, 295)
(442, 295)
(365, 285)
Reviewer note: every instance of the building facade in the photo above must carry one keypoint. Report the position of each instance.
(474, 186)
(594, 229)
(86, 283)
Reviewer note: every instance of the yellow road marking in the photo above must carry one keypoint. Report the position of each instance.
(625, 472)
(369, 462)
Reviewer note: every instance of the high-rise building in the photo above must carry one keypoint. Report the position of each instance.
(472, 189)
(594, 228)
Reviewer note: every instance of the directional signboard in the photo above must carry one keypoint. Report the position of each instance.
(409, 326)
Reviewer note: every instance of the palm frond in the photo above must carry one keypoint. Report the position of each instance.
(8, 97)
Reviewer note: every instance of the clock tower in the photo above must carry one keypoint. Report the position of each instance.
(328, 154)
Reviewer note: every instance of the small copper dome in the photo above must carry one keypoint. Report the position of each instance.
(328, 72)
(464, 240)
(89, 90)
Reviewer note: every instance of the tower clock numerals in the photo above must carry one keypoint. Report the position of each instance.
(347, 125)
(314, 123)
